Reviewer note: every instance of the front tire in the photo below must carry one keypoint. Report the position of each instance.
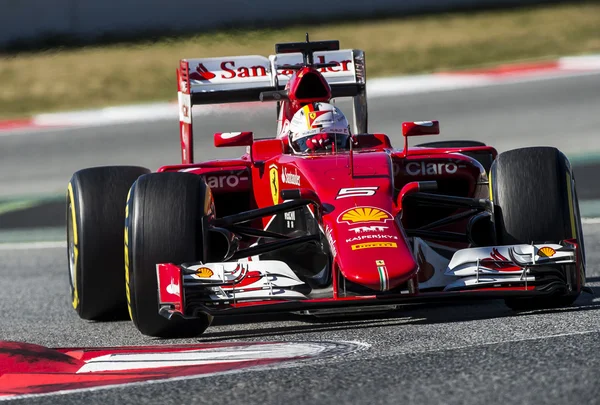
(533, 191)
(95, 214)
(162, 225)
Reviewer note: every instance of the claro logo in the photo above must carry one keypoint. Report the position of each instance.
(420, 168)
(225, 181)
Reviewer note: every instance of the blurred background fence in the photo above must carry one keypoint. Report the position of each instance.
(25, 23)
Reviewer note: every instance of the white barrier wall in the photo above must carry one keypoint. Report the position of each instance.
(35, 19)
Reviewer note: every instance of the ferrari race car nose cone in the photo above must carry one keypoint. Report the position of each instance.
(382, 276)
(379, 265)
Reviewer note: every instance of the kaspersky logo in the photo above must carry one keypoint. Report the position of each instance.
(202, 73)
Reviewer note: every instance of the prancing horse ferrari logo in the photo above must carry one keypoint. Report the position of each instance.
(274, 181)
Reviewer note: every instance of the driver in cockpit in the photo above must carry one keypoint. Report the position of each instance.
(319, 127)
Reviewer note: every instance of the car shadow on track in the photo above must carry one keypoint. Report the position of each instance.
(416, 314)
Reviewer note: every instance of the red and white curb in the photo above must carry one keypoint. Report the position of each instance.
(501, 74)
(376, 88)
(28, 370)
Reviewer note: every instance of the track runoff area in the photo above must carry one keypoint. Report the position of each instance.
(383, 356)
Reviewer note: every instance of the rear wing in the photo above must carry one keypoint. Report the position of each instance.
(243, 78)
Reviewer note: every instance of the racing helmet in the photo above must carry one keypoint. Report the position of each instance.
(319, 119)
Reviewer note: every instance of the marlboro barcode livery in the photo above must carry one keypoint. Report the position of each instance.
(321, 215)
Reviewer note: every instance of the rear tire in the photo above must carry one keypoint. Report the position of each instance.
(164, 212)
(95, 213)
(533, 191)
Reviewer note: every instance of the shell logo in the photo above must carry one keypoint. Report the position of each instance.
(204, 272)
(364, 214)
(546, 251)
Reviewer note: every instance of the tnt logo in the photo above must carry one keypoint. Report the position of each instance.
(365, 229)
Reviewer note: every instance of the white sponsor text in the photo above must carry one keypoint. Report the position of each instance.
(356, 192)
(331, 241)
(374, 228)
(288, 177)
(363, 237)
(417, 168)
(230, 180)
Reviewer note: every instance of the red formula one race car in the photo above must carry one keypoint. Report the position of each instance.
(323, 217)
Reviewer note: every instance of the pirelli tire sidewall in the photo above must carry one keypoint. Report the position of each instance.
(162, 225)
(534, 198)
(95, 212)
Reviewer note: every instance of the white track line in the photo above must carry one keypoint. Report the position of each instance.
(32, 245)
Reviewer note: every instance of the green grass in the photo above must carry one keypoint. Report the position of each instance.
(16, 205)
(115, 74)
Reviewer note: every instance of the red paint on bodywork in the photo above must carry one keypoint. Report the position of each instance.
(327, 174)
(266, 149)
(297, 94)
(373, 166)
(420, 128)
(224, 139)
(170, 289)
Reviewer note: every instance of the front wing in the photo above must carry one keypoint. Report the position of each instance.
(255, 286)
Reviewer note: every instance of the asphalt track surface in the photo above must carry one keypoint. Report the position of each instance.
(469, 353)
(438, 354)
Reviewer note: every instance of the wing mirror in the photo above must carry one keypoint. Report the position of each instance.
(418, 128)
(223, 139)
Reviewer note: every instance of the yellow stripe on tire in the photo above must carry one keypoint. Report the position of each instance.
(490, 185)
(571, 210)
(127, 290)
(75, 293)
